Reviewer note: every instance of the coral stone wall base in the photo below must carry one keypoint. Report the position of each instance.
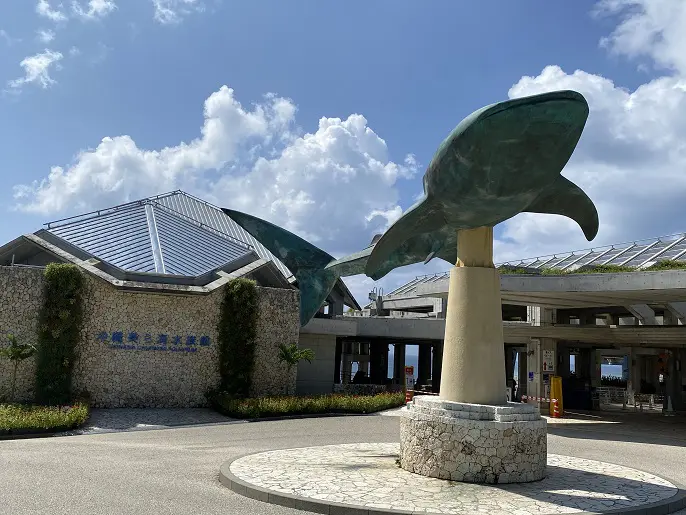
(473, 443)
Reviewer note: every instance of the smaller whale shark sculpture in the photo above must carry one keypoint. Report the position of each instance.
(500, 161)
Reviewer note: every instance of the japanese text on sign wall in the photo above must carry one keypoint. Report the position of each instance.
(160, 342)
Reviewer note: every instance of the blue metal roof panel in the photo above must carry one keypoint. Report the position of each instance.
(188, 249)
(216, 219)
(120, 238)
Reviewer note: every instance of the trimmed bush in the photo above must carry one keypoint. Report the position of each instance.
(666, 265)
(237, 332)
(261, 407)
(22, 419)
(59, 330)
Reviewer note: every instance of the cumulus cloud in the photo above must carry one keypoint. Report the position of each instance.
(648, 28)
(95, 9)
(335, 186)
(37, 69)
(43, 8)
(172, 11)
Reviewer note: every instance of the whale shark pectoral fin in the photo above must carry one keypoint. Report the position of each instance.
(565, 198)
(430, 257)
(403, 243)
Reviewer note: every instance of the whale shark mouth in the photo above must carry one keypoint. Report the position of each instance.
(554, 96)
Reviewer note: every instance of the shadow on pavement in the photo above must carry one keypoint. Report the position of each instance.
(622, 427)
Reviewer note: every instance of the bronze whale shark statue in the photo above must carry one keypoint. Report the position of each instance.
(502, 160)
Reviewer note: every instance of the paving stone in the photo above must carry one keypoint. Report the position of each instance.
(351, 474)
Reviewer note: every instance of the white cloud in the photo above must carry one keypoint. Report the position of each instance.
(45, 36)
(37, 69)
(323, 185)
(43, 8)
(95, 9)
(651, 28)
(172, 11)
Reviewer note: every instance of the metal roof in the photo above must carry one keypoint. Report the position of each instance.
(637, 254)
(213, 217)
(174, 233)
(148, 236)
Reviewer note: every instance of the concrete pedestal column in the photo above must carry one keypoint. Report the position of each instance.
(473, 358)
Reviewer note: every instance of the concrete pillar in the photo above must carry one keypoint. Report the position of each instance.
(509, 367)
(337, 361)
(473, 359)
(522, 375)
(533, 360)
(424, 364)
(437, 358)
(378, 363)
(563, 367)
(399, 363)
(347, 369)
(595, 368)
(635, 374)
(673, 382)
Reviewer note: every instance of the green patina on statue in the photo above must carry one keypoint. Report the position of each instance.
(500, 161)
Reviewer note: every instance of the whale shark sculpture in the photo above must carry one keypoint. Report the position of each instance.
(502, 160)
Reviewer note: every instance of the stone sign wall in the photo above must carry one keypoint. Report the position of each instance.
(146, 349)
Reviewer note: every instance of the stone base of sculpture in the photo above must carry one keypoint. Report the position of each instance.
(473, 443)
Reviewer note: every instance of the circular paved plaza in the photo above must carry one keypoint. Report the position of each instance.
(130, 462)
(353, 478)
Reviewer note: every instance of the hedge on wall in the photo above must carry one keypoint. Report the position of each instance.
(237, 332)
(59, 329)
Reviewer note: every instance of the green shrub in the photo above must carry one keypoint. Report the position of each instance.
(237, 332)
(260, 407)
(18, 418)
(553, 271)
(16, 352)
(666, 265)
(59, 330)
(593, 269)
(604, 269)
(290, 355)
(516, 270)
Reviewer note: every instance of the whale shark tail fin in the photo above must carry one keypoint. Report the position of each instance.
(315, 286)
(565, 198)
(305, 261)
(292, 250)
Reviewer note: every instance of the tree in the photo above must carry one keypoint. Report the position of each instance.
(16, 352)
(291, 355)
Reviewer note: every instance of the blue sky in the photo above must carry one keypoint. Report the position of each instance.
(141, 72)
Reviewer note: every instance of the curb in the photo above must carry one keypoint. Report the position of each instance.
(229, 480)
(70, 432)
(30, 435)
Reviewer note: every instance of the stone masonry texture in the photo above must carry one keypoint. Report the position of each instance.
(146, 349)
(473, 443)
